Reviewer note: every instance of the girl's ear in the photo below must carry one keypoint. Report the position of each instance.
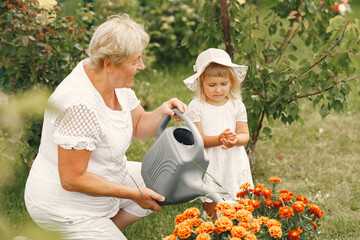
(108, 65)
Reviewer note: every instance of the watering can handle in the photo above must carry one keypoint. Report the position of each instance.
(195, 131)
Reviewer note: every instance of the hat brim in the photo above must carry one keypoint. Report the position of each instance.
(239, 72)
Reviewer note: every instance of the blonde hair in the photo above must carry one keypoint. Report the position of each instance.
(116, 39)
(218, 70)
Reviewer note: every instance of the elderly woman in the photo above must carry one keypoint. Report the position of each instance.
(81, 183)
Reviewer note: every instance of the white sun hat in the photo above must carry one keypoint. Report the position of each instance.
(218, 56)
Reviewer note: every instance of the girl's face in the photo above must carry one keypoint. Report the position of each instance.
(123, 75)
(216, 89)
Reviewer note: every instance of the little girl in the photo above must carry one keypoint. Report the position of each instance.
(221, 118)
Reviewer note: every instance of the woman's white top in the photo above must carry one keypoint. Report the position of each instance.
(229, 167)
(81, 120)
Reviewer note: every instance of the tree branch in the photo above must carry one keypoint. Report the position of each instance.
(225, 22)
(318, 92)
(323, 57)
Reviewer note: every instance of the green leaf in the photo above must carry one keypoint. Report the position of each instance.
(293, 109)
(292, 57)
(337, 105)
(355, 60)
(324, 111)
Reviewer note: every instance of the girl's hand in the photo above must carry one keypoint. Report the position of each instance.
(146, 198)
(228, 143)
(227, 138)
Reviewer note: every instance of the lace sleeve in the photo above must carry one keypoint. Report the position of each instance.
(195, 111)
(77, 128)
(241, 115)
(128, 97)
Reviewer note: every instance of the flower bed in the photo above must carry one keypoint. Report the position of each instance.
(259, 213)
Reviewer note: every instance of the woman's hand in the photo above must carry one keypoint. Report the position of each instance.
(146, 198)
(174, 103)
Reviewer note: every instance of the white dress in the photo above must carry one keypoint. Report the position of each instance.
(81, 121)
(229, 167)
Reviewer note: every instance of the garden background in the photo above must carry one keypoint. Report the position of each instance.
(314, 156)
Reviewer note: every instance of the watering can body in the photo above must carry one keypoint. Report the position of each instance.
(175, 164)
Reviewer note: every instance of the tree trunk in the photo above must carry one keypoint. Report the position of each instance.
(225, 22)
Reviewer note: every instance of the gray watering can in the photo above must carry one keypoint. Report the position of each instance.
(175, 165)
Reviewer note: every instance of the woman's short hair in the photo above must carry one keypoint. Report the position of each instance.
(218, 70)
(116, 39)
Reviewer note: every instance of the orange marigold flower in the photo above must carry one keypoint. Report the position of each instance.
(243, 215)
(257, 191)
(241, 194)
(229, 213)
(170, 237)
(250, 236)
(239, 206)
(268, 202)
(235, 238)
(203, 236)
(238, 231)
(293, 235)
(260, 185)
(255, 203)
(286, 212)
(207, 227)
(245, 186)
(263, 219)
(275, 179)
(275, 231)
(255, 225)
(245, 225)
(298, 206)
(277, 204)
(314, 224)
(302, 199)
(299, 229)
(180, 218)
(244, 201)
(223, 224)
(285, 195)
(250, 208)
(221, 206)
(192, 212)
(193, 222)
(10, 5)
(316, 210)
(182, 230)
(272, 222)
(266, 193)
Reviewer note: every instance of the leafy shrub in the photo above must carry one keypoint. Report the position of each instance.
(294, 49)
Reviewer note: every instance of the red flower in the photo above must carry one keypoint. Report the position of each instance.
(266, 193)
(293, 235)
(316, 210)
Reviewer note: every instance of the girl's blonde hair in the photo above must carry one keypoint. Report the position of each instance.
(116, 39)
(218, 70)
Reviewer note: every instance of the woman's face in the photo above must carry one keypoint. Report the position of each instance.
(216, 89)
(122, 75)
